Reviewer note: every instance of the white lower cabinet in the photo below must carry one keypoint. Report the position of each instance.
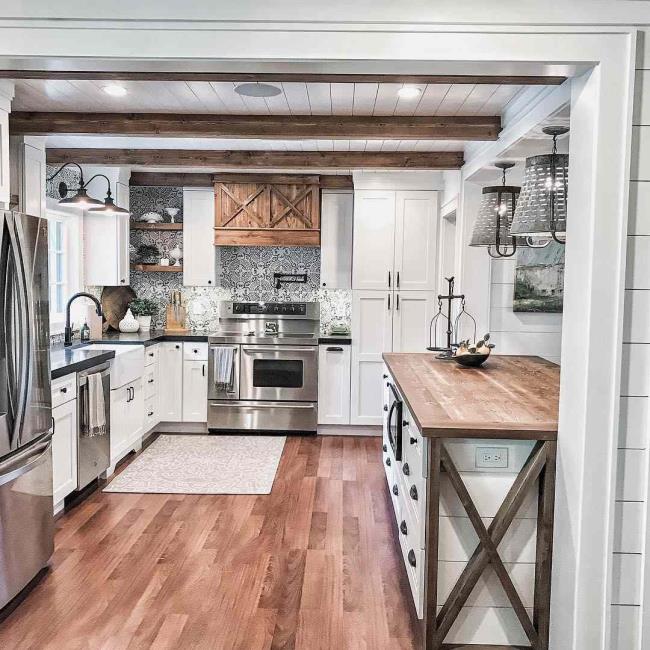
(195, 391)
(334, 384)
(127, 418)
(64, 451)
(170, 381)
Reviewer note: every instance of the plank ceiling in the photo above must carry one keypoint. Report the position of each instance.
(297, 98)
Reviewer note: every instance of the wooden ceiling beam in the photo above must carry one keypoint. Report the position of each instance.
(306, 77)
(260, 159)
(199, 179)
(281, 127)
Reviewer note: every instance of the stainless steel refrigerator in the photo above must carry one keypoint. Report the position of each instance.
(26, 521)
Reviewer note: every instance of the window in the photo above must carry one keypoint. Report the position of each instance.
(64, 262)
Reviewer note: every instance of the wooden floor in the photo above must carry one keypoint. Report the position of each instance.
(314, 565)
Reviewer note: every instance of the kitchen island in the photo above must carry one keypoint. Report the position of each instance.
(469, 456)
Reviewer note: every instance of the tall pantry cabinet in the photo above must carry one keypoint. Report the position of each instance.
(393, 286)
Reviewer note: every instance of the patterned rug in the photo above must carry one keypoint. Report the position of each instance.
(188, 464)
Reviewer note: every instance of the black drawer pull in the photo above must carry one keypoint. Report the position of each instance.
(178, 347)
(413, 441)
(150, 381)
(414, 493)
(151, 354)
(388, 462)
(406, 469)
(149, 414)
(411, 558)
(334, 349)
(395, 490)
(403, 528)
(64, 390)
(385, 448)
(385, 376)
(385, 407)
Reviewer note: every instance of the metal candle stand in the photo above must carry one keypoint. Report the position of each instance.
(448, 351)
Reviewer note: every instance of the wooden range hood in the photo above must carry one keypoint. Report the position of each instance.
(267, 210)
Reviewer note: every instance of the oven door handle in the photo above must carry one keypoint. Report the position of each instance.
(216, 405)
(280, 349)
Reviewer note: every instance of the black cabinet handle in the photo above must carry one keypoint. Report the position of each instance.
(53, 426)
(151, 354)
(334, 349)
(406, 469)
(388, 462)
(397, 302)
(178, 347)
(150, 381)
(395, 490)
(389, 279)
(385, 407)
(411, 558)
(405, 423)
(385, 376)
(414, 493)
(398, 279)
(389, 302)
(385, 448)
(64, 390)
(209, 281)
(413, 441)
(195, 351)
(149, 414)
(403, 528)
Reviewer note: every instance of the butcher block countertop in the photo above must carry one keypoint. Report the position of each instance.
(513, 397)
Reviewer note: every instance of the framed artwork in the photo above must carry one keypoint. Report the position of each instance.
(539, 279)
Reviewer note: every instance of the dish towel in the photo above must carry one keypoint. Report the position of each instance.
(223, 367)
(96, 425)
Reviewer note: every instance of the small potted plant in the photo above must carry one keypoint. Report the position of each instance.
(143, 309)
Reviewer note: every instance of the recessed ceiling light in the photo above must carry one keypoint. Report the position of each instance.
(409, 92)
(257, 90)
(115, 90)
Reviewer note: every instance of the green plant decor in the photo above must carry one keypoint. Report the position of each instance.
(148, 253)
(143, 307)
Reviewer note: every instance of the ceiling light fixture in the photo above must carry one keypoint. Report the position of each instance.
(256, 89)
(409, 92)
(542, 208)
(492, 225)
(115, 90)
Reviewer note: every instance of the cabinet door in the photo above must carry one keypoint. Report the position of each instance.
(411, 319)
(106, 249)
(120, 428)
(170, 382)
(416, 228)
(195, 391)
(198, 238)
(136, 412)
(372, 314)
(336, 240)
(64, 450)
(33, 181)
(334, 384)
(374, 234)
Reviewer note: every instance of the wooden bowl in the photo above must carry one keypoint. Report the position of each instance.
(471, 360)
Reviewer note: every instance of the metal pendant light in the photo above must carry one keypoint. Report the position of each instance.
(542, 207)
(108, 206)
(492, 225)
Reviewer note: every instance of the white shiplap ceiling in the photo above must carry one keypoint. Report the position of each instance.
(297, 98)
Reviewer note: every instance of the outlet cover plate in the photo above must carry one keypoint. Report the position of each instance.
(492, 457)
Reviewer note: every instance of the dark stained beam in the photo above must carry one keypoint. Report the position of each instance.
(518, 80)
(198, 179)
(284, 127)
(260, 159)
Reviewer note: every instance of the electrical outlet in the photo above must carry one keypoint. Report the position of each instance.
(495, 457)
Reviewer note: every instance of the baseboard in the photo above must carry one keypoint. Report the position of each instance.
(348, 430)
(181, 427)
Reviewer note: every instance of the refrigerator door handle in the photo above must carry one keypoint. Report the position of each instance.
(12, 469)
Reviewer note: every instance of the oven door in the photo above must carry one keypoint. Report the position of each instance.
(279, 373)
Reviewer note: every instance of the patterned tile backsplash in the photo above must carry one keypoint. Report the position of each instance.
(244, 273)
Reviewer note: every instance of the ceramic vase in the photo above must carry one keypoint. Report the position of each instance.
(144, 322)
(129, 324)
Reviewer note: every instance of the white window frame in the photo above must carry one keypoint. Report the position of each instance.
(73, 252)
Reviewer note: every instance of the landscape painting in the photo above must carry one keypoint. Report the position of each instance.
(539, 279)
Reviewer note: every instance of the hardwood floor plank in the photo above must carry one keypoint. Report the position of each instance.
(314, 565)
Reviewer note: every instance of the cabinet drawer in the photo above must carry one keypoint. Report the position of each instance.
(150, 413)
(413, 447)
(64, 389)
(414, 562)
(150, 355)
(414, 490)
(195, 351)
(150, 380)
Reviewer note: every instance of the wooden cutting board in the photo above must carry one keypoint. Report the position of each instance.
(115, 301)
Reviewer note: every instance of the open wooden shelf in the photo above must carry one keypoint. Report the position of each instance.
(139, 225)
(156, 268)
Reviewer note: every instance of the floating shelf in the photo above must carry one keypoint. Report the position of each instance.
(137, 225)
(156, 268)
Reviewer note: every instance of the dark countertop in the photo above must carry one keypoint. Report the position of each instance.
(64, 361)
(510, 397)
(152, 337)
(336, 339)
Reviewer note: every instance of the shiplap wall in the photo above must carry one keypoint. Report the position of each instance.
(517, 332)
(630, 541)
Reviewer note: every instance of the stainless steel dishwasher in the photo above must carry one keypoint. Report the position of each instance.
(93, 452)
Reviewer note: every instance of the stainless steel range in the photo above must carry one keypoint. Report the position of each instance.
(263, 367)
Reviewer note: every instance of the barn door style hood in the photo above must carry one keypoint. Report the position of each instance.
(266, 210)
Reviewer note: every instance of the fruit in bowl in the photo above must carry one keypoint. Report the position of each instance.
(473, 355)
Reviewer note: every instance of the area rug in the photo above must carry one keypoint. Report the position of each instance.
(188, 464)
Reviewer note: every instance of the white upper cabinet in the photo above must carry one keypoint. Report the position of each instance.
(395, 240)
(28, 174)
(198, 238)
(411, 318)
(416, 240)
(374, 239)
(336, 239)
